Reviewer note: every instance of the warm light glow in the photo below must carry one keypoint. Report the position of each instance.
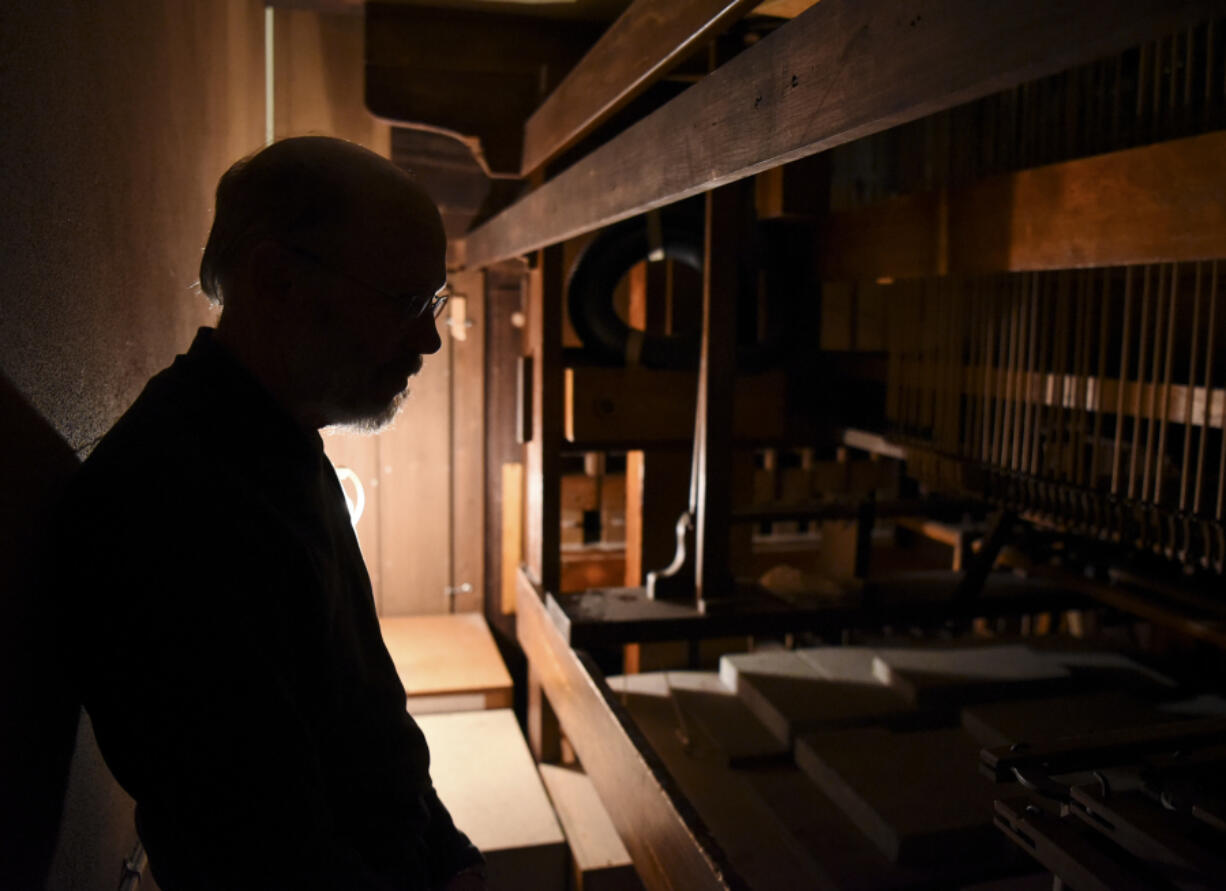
(886, 280)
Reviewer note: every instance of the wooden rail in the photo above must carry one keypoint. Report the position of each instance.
(668, 851)
(841, 70)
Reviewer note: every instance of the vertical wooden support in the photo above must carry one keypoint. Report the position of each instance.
(544, 734)
(505, 287)
(543, 342)
(725, 213)
(466, 324)
(657, 480)
(512, 528)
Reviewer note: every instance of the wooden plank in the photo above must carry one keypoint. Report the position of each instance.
(543, 342)
(468, 440)
(637, 49)
(955, 674)
(486, 778)
(1184, 404)
(669, 850)
(1177, 844)
(791, 696)
(600, 860)
(506, 65)
(756, 842)
(1041, 720)
(447, 655)
(638, 406)
(592, 567)
(1157, 203)
(1071, 852)
(712, 498)
(842, 70)
(544, 734)
(503, 343)
(512, 531)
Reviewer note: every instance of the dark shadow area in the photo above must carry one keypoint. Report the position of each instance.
(40, 712)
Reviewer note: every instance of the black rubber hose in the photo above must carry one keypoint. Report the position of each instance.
(594, 278)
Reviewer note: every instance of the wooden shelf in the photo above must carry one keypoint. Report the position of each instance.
(606, 616)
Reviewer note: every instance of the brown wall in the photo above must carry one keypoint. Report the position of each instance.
(118, 119)
(404, 531)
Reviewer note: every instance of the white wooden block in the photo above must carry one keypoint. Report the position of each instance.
(944, 675)
(789, 695)
(486, 777)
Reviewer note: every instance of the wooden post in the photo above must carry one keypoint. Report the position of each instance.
(725, 213)
(543, 342)
(544, 734)
(466, 326)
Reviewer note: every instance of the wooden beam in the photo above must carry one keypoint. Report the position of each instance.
(725, 216)
(639, 48)
(841, 70)
(467, 330)
(542, 492)
(636, 406)
(476, 74)
(669, 847)
(1157, 203)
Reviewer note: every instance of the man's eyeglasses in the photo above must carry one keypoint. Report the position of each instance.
(413, 306)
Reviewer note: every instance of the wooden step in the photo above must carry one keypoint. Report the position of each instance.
(600, 862)
(447, 663)
(486, 777)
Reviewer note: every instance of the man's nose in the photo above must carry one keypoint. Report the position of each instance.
(425, 336)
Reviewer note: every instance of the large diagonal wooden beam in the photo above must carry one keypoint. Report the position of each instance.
(842, 70)
(645, 41)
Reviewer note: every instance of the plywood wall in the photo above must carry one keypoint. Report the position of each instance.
(404, 471)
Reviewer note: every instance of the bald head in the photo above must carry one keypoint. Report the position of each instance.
(312, 192)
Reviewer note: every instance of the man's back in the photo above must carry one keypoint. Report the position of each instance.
(229, 651)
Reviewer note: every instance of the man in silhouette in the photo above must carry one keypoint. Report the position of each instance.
(222, 623)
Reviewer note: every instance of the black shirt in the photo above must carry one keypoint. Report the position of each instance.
(229, 654)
